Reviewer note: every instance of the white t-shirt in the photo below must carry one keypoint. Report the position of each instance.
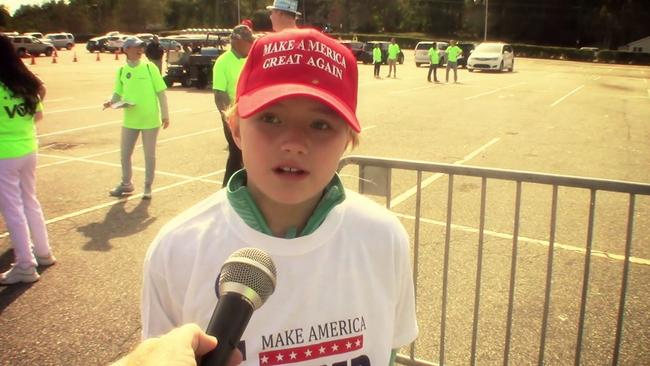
(344, 293)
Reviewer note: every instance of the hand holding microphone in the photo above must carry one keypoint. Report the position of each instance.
(179, 347)
(246, 281)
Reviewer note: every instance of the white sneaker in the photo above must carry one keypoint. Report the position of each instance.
(47, 260)
(18, 274)
(146, 195)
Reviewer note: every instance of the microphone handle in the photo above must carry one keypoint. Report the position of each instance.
(228, 322)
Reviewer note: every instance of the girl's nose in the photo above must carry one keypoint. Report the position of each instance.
(295, 140)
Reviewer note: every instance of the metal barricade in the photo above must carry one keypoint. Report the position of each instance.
(542, 291)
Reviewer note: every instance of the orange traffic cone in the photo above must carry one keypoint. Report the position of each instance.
(117, 55)
(33, 60)
(75, 57)
(97, 59)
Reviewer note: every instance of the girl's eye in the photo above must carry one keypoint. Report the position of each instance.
(269, 118)
(321, 125)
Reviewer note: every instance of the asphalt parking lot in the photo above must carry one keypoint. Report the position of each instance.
(547, 116)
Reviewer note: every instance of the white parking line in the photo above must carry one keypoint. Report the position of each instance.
(80, 128)
(57, 100)
(99, 162)
(410, 90)
(69, 159)
(572, 248)
(492, 91)
(114, 202)
(99, 125)
(567, 95)
(411, 191)
(97, 106)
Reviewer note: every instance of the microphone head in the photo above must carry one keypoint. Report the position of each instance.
(249, 272)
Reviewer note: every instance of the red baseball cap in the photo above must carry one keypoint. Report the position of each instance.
(300, 62)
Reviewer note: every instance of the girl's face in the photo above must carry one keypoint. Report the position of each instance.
(291, 150)
(134, 53)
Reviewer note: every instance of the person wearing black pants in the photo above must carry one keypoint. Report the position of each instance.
(376, 59)
(434, 59)
(225, 74)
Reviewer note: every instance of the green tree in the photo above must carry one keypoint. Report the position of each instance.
(5, 18)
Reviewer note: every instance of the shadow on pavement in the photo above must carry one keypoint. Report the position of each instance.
(10, 293)
(117, 223)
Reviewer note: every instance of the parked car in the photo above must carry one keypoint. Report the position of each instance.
(422, 52)
(468, 48)
(146, 37)
(38, 35)
(61, 40)
(366, 56)
(355, 46)
(31, 45)
(492, 56)
(170, 44)
(97, 44)
(115, 42)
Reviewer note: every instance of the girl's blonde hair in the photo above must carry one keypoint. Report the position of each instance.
(233, 116)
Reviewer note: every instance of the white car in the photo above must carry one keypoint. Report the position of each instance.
(492, 56)
(422, 52)
(115, 42)
(61, 40)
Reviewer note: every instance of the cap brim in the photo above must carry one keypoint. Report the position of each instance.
(259, 99)
(271, 7)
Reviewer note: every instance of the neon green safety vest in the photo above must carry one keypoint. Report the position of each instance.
(17, 128)
(140, 86)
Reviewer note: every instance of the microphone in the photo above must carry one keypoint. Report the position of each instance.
(246, 281)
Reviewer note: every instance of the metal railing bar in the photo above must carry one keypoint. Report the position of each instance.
(585, 278)
(504, 174)
(416, 245)
(549, 276)
(626, 270)
(520, 177)
(513, 273)
(445, 271)
(389, 194)
(403, 360)
(479, 272)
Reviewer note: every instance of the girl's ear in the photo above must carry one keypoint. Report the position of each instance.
(233, 122)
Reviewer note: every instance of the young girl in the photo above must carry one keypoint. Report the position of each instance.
(344, 287)
(21, 93)
(139, 84)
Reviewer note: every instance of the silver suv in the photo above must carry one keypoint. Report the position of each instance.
(31, 45)
(61, 40)
(422, 52)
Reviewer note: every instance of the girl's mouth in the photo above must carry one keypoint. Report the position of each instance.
(284, 170)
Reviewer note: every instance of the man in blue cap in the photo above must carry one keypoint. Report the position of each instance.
(283, 14)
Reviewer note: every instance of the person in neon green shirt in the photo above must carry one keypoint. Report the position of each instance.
(21, 93)
(393, 52)
(453, 51)
(434, 59)
(140, 87)
(225, 74)
(376, 59)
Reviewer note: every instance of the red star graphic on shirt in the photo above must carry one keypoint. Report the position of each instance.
(310, 352)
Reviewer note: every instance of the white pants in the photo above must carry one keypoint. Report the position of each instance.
(21, 209)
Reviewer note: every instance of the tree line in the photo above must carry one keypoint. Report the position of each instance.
(573, 23)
